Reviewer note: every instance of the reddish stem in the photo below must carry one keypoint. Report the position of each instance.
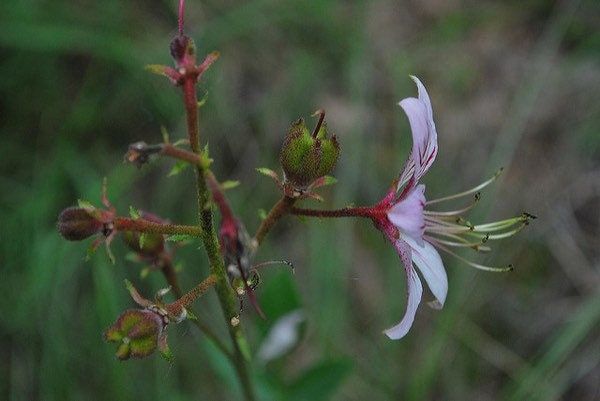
(181, 15)
(362, 211)
(180, 154)
(282, 207)
(189, 297)
(191, 108)
(218, 196)
(145, 226)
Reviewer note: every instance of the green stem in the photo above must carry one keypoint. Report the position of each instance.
(145, 226)
(227, 297)
(282, 207)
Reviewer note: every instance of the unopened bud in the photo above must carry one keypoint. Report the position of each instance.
(305, 157)
(137, 332)
(183, 50)
(76, 224)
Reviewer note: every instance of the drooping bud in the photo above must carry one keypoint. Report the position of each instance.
(137, 332)
(305, 157)
(146, 244)
(77, 223)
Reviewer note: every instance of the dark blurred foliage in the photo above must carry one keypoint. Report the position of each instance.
(513, 84)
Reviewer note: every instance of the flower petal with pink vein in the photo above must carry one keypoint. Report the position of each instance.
(430, 264)
(424, 135)
(407, 214)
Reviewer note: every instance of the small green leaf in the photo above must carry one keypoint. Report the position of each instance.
(111, 256)
(329, 180)
(229, 184)
(164, 350)
(143, 237)
(178, 168)
(165, 134)
(262, 214)
(268, 172)
(202, 101)
(180, 142)
(156, 68)
(191, 315)
(134, 213)
(205, 160)
(180, 238)
(86, 205)
(91, 250)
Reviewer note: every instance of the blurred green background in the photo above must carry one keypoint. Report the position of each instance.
(513, 84)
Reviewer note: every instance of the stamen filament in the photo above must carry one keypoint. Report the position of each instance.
(275, 262)
(477, 246)
(498, 236)
(476, 265)
(454, 212)
(500, 225)
(469, 191)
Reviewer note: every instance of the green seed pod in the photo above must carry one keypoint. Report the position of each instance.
(137, 332)
(305, 157)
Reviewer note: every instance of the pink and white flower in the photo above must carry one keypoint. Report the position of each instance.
(416, 233)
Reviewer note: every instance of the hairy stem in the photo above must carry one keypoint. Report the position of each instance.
(363, 211)
(171, 277)
(227, 297)
(180, 154)
(145, 226)
(282, 207)
(189, 297)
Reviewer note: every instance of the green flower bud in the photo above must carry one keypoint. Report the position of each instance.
(306, 157)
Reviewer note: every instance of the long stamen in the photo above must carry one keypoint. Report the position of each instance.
(453, 213)
(497, 236)
(275, 262)
(475, 265)
(469, 191)
(476, 246)
(504, 224)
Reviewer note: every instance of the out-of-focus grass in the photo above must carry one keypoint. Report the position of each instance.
(514, 84)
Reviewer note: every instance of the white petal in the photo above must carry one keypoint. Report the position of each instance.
(414, 290)
(420, 117)
(430, 264)
(284, 334)
(407, 215)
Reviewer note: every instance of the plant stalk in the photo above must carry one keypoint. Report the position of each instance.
(145, 226)
(227, 297)
(282, 207)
